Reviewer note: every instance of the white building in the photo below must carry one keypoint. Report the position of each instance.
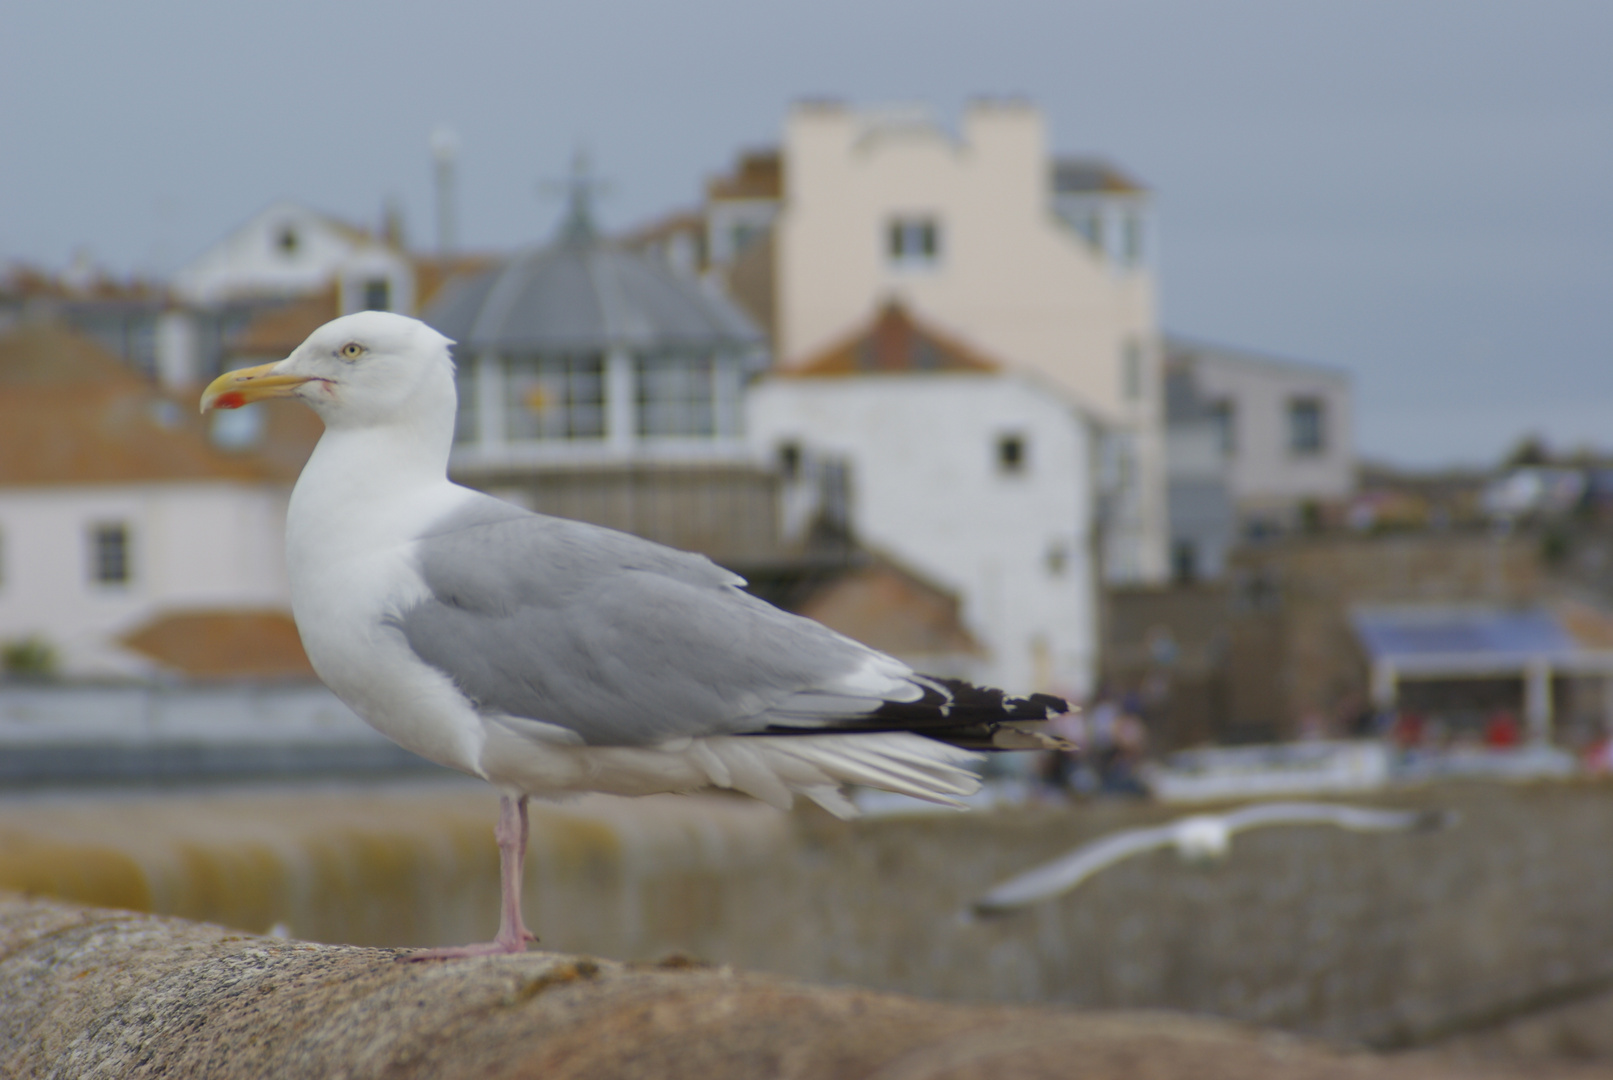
(117, 517)
(1285, 428)
(972, 473)
(1043, 264)
(289, 250)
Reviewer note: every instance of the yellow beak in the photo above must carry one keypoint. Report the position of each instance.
(233, 389)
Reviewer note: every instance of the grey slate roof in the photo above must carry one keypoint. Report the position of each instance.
(581, 294)
(1080, 176)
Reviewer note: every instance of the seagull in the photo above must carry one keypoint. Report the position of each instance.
(1198, 838)
(552, 657)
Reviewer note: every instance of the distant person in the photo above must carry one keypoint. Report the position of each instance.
(1409, 730)
(1501, 730)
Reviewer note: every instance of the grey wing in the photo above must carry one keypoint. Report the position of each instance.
(622, 641)
(1067, 871)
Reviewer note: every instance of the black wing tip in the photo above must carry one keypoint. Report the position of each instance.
(959, 713)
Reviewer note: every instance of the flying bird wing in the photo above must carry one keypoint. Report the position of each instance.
(1067, 871)
(1354, 818)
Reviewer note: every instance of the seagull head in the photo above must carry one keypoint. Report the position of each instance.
(1202, 838)
(367, 369)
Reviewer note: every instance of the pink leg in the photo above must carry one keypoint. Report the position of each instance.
(511, 833)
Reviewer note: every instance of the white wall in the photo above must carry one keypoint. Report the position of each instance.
(192, 545)
(926, 488)
(251, 262)
(1011, 278)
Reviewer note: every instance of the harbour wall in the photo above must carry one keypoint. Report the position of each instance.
(1381, 939)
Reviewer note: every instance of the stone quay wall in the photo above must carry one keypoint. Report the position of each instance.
(1380, 939)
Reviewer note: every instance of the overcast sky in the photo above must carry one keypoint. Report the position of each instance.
(1419, 191)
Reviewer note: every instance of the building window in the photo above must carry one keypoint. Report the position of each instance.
(555, 397)
(1131, 240)
(677, 395)
(1184, 562)
(1224, 416)
(1306, 434)
(913, 241)
(378, 295)
(287, 241)
(1131, 370)
(1011, 453)
(789, 460)
(111, 565)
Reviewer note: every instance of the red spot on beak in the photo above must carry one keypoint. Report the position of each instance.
(232, 400)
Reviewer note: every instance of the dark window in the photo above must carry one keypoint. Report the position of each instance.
(1184, 562)
(288, 241)
(913, 241)
(378, 295)
(111, 554)
(789, 460)
(1131, 240)
(1305, 426)
(1225, 417)
(1011, 453)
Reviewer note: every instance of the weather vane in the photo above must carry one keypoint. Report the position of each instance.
(580, 189)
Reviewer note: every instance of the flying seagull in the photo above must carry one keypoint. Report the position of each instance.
(1198, 838)
(548, 656)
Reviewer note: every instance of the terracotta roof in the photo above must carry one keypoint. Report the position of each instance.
(893, 343)
(1083, 175)
(274, 331)
(1588, 626)
(224, 644)
(888, 607)
(71, 413)
(758, 175)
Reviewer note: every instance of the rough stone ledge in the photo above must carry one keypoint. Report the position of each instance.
(96, 992)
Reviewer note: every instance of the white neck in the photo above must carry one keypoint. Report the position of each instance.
(374, 483)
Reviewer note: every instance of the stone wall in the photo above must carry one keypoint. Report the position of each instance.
(1386, 939)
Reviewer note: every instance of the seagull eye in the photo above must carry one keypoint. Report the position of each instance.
(352, 351)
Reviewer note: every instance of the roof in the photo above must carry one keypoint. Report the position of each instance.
(1185, 352)
(894, 342)
(224, 644)
(1080, 176)
(759, 174)
(584, 294)
(273, 332)
(890, 608)
(71, 413)
(1450, 639)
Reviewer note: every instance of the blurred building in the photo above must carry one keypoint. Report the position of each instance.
(130, 544)
(1045, 264)
(601, 384)
(1284, 429)
(975, 474)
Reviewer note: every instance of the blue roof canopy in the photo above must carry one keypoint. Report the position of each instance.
(1409, 633)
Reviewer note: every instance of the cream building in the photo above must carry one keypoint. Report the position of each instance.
(1043, 264)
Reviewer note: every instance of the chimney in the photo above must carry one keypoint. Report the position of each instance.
(445, 154)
